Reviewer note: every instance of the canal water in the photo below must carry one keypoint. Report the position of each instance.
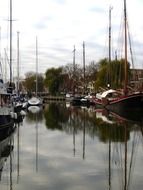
(70, 148)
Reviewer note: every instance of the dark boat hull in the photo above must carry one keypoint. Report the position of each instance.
(133, 102)
(6, 121)
(6, 126)
(80, 101)
(17, 108)
(76, 101)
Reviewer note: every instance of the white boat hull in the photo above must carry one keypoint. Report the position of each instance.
(34, 101)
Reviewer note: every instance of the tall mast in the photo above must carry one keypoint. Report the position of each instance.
(6, 61)
(0, 57)
(83, 68)
(74, 71)
(18, 63)
(109, 70)
(0, 51)
(126, 64)
(10, 42)
(36, 65)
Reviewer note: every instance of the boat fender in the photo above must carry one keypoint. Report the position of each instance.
(12, 115)
(105, 101)
(23, 113)
(15, 115)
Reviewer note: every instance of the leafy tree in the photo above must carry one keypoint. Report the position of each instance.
(112, 73)
(101, 80)
(54, 80)
(30, 82)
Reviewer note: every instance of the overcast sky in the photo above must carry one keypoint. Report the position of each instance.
(61, 24)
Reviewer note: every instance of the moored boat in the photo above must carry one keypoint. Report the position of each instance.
(125, 99)
(6, 106)
(34, 101)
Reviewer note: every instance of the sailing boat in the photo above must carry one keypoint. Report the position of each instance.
(17, 101)
(6, 108)
(100, 97)
(80, 100)
(86, 100)
(125, 100)
(35, 100)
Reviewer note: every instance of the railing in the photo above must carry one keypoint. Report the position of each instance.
(50, 98)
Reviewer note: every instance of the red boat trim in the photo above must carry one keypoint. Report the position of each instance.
(125, 98)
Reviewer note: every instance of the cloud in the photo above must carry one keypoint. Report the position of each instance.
(61, 24)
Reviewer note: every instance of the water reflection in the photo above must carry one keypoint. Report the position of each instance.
(122, 135)
(6, 149)
(56, 115)
(95, 123)
(34, 113)
(62, 148)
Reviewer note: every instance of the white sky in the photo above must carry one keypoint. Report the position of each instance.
(61, 24)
